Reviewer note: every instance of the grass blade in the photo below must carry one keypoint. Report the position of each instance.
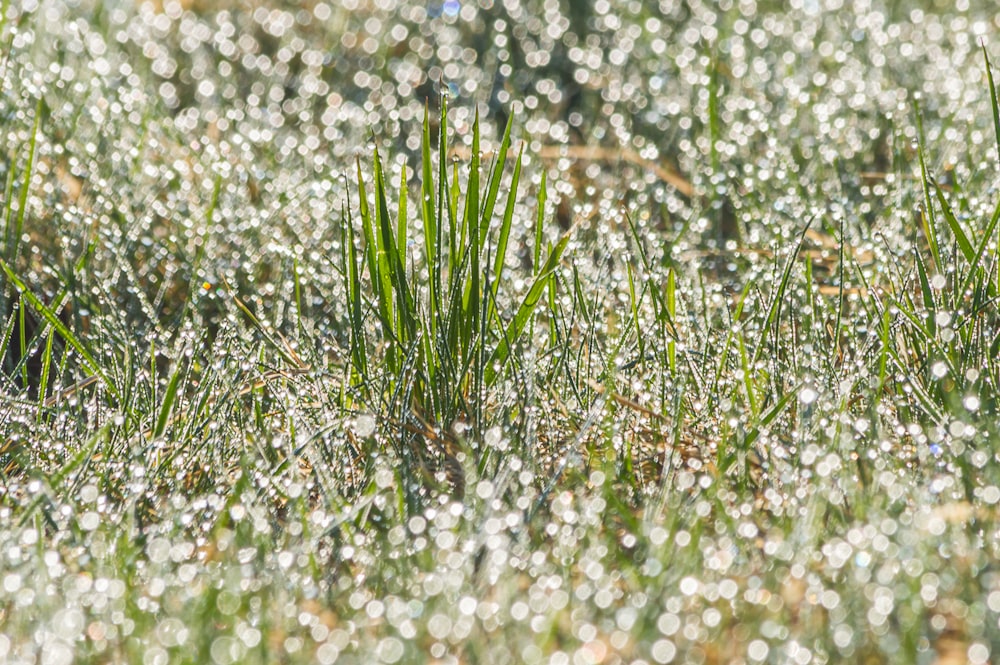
(14, 238)
(169, 399)
(520, 320)
(430, 214)
(493, 181)
(393, 262)
(401, 228)
(500, 258)
(928, 296)
(352, 270)
(993, 99)
(929, 218)
(964, 244)
(540, 221)
(53, 319)
(774, 309)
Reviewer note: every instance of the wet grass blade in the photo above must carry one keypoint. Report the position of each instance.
(634, 307)
(401, 221)
(540, 222)
(14, 236)
(977, 269)
(929, 217)
(169, 400)
(431, 227)
(500, 258)
(993, 99)
(778, 296)
(524, 312)
(59, 478)
(53, 319)
(769, 416)
(494, 178)
(471, 244)
(352, 271)
(392, 263)
(930, 306)
(964, 244)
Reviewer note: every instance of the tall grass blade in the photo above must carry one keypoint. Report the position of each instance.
(430, 215)
(392, 261)
(500, 258)
(352, 270)
(540, 221)
(471, 243)
(14, 239)
(993, 99)
(494, 179)
(401, 221)
(778, 296)
(929, 217)
(378, 264)
(524, 312)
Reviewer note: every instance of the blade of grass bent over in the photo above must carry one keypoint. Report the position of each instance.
(524, 312)
(53, 319)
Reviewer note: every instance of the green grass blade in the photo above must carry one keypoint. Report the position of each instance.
(524, 312)
(748, 376)
(993, 99)
(14, 239)
(964, 244)
(471, 241)
(771, 414)
(57, 480)
(393, 261)
(499, 260)
(401, 228)
(455, 256)
(43, 380)
(430, 215)
(977, 259)
(883, 360)
(378, 266)
(670, 310)
(8, 214)
(778, 296)
(928, 296)
(634, 307)
(540, 222)
(7, 337)
(352, 269)
(169, 400)
(493, 181)
(929, 217)
(22, 334)
(53, 319)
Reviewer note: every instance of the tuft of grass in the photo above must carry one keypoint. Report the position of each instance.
(432, 331)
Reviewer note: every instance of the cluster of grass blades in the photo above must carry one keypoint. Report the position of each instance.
(428, 339)
(944, 335)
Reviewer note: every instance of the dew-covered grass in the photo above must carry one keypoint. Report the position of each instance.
(502, 332)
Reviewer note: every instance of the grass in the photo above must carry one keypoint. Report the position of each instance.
(458, 393)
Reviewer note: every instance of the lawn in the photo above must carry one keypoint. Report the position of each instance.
(499, 332)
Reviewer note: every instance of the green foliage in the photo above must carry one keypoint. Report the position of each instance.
(438, 328)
